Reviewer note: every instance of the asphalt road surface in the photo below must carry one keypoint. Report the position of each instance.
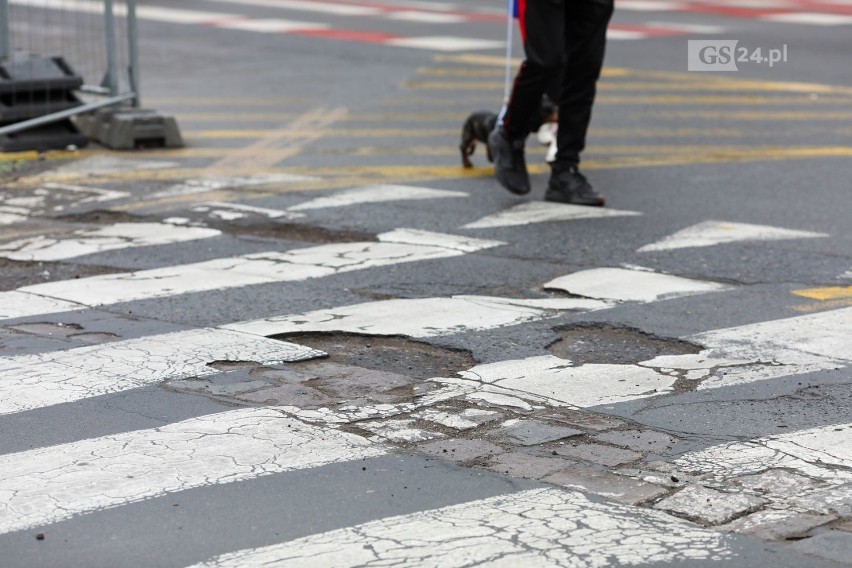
(311, 338)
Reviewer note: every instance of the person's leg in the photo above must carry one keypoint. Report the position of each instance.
(542, 26)
(541, 29)
(585, 43)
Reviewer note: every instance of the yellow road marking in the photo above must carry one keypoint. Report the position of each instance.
(754, 115)
(829, 293)
(401, 173)
(827, 305)
(256, 155)
(730, 83)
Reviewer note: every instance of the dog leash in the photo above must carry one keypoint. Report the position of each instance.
(507, 81)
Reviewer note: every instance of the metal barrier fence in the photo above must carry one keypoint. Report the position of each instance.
(61, 58)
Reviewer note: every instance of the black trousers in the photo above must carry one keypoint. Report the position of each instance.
(564, 42)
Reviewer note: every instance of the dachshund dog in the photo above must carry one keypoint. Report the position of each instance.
(479, 125)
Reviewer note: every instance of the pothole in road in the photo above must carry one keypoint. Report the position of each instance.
(103, 217)
(359, 371)
(616, 345)
(392, 354)
(294, 232)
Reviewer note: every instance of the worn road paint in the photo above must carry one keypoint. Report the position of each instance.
(11, 218)
(623, 285)
(231, 211)
(445, 43)
(823, 453)
(825, 294)
(766, 350)
(112, 237)
(16, 304)
(45, 379)
(562, 384)
(96, 165)
(811, 18)
(215, 183)
(539, 212)
(420, 317)
(395, 247)
(539, 527)
(710, 233)
(47, 485)
(377, 194)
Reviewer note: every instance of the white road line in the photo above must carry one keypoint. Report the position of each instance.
(11, 218)
(562, 384)
(846, 274)
(539, 527)
(540, 212)
(309, 6)
(823, 453)
(812, 18)
(112, 237)
(650, 6)
(232, 211)
(16, 304)
(215, 183)
(95, 165)
(710, 233)
(427, 17)
(47, 485)
(623, 285)
(421, 317)
(377, 194)
(271, 25)
(445, 43)
(45, 379)
(395, 247)
(767, 350)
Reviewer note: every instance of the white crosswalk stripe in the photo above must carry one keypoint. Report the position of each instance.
(542, 527)
(112, 237)
(394, 247)
(49, 484)
(36, 381)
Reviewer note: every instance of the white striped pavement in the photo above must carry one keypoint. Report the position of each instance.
(50, 484)
(45, 379)
(376, 194)
(538, 527)
(823, 453)
(420, 317)
(394, 247)
(112, 237)
(631, 285)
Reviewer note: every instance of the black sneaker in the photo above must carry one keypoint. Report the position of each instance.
(510, 166)
(568, 185)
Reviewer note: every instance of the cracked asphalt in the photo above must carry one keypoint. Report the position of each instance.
(311, 338)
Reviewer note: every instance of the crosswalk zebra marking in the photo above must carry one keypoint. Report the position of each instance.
(36, 381)
(111, 237)
(213, 183)
(232, 211)
(16, 304)
(538, 527)
(394, 247)
(711, 233)
(560, 383)
(50, 484)
(540, 212)
(631, 285)
(420, 317)
(823, 453)
(376, 194)
(7, 218)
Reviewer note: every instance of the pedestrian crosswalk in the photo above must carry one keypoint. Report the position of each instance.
(386, 23)
(546, 525)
